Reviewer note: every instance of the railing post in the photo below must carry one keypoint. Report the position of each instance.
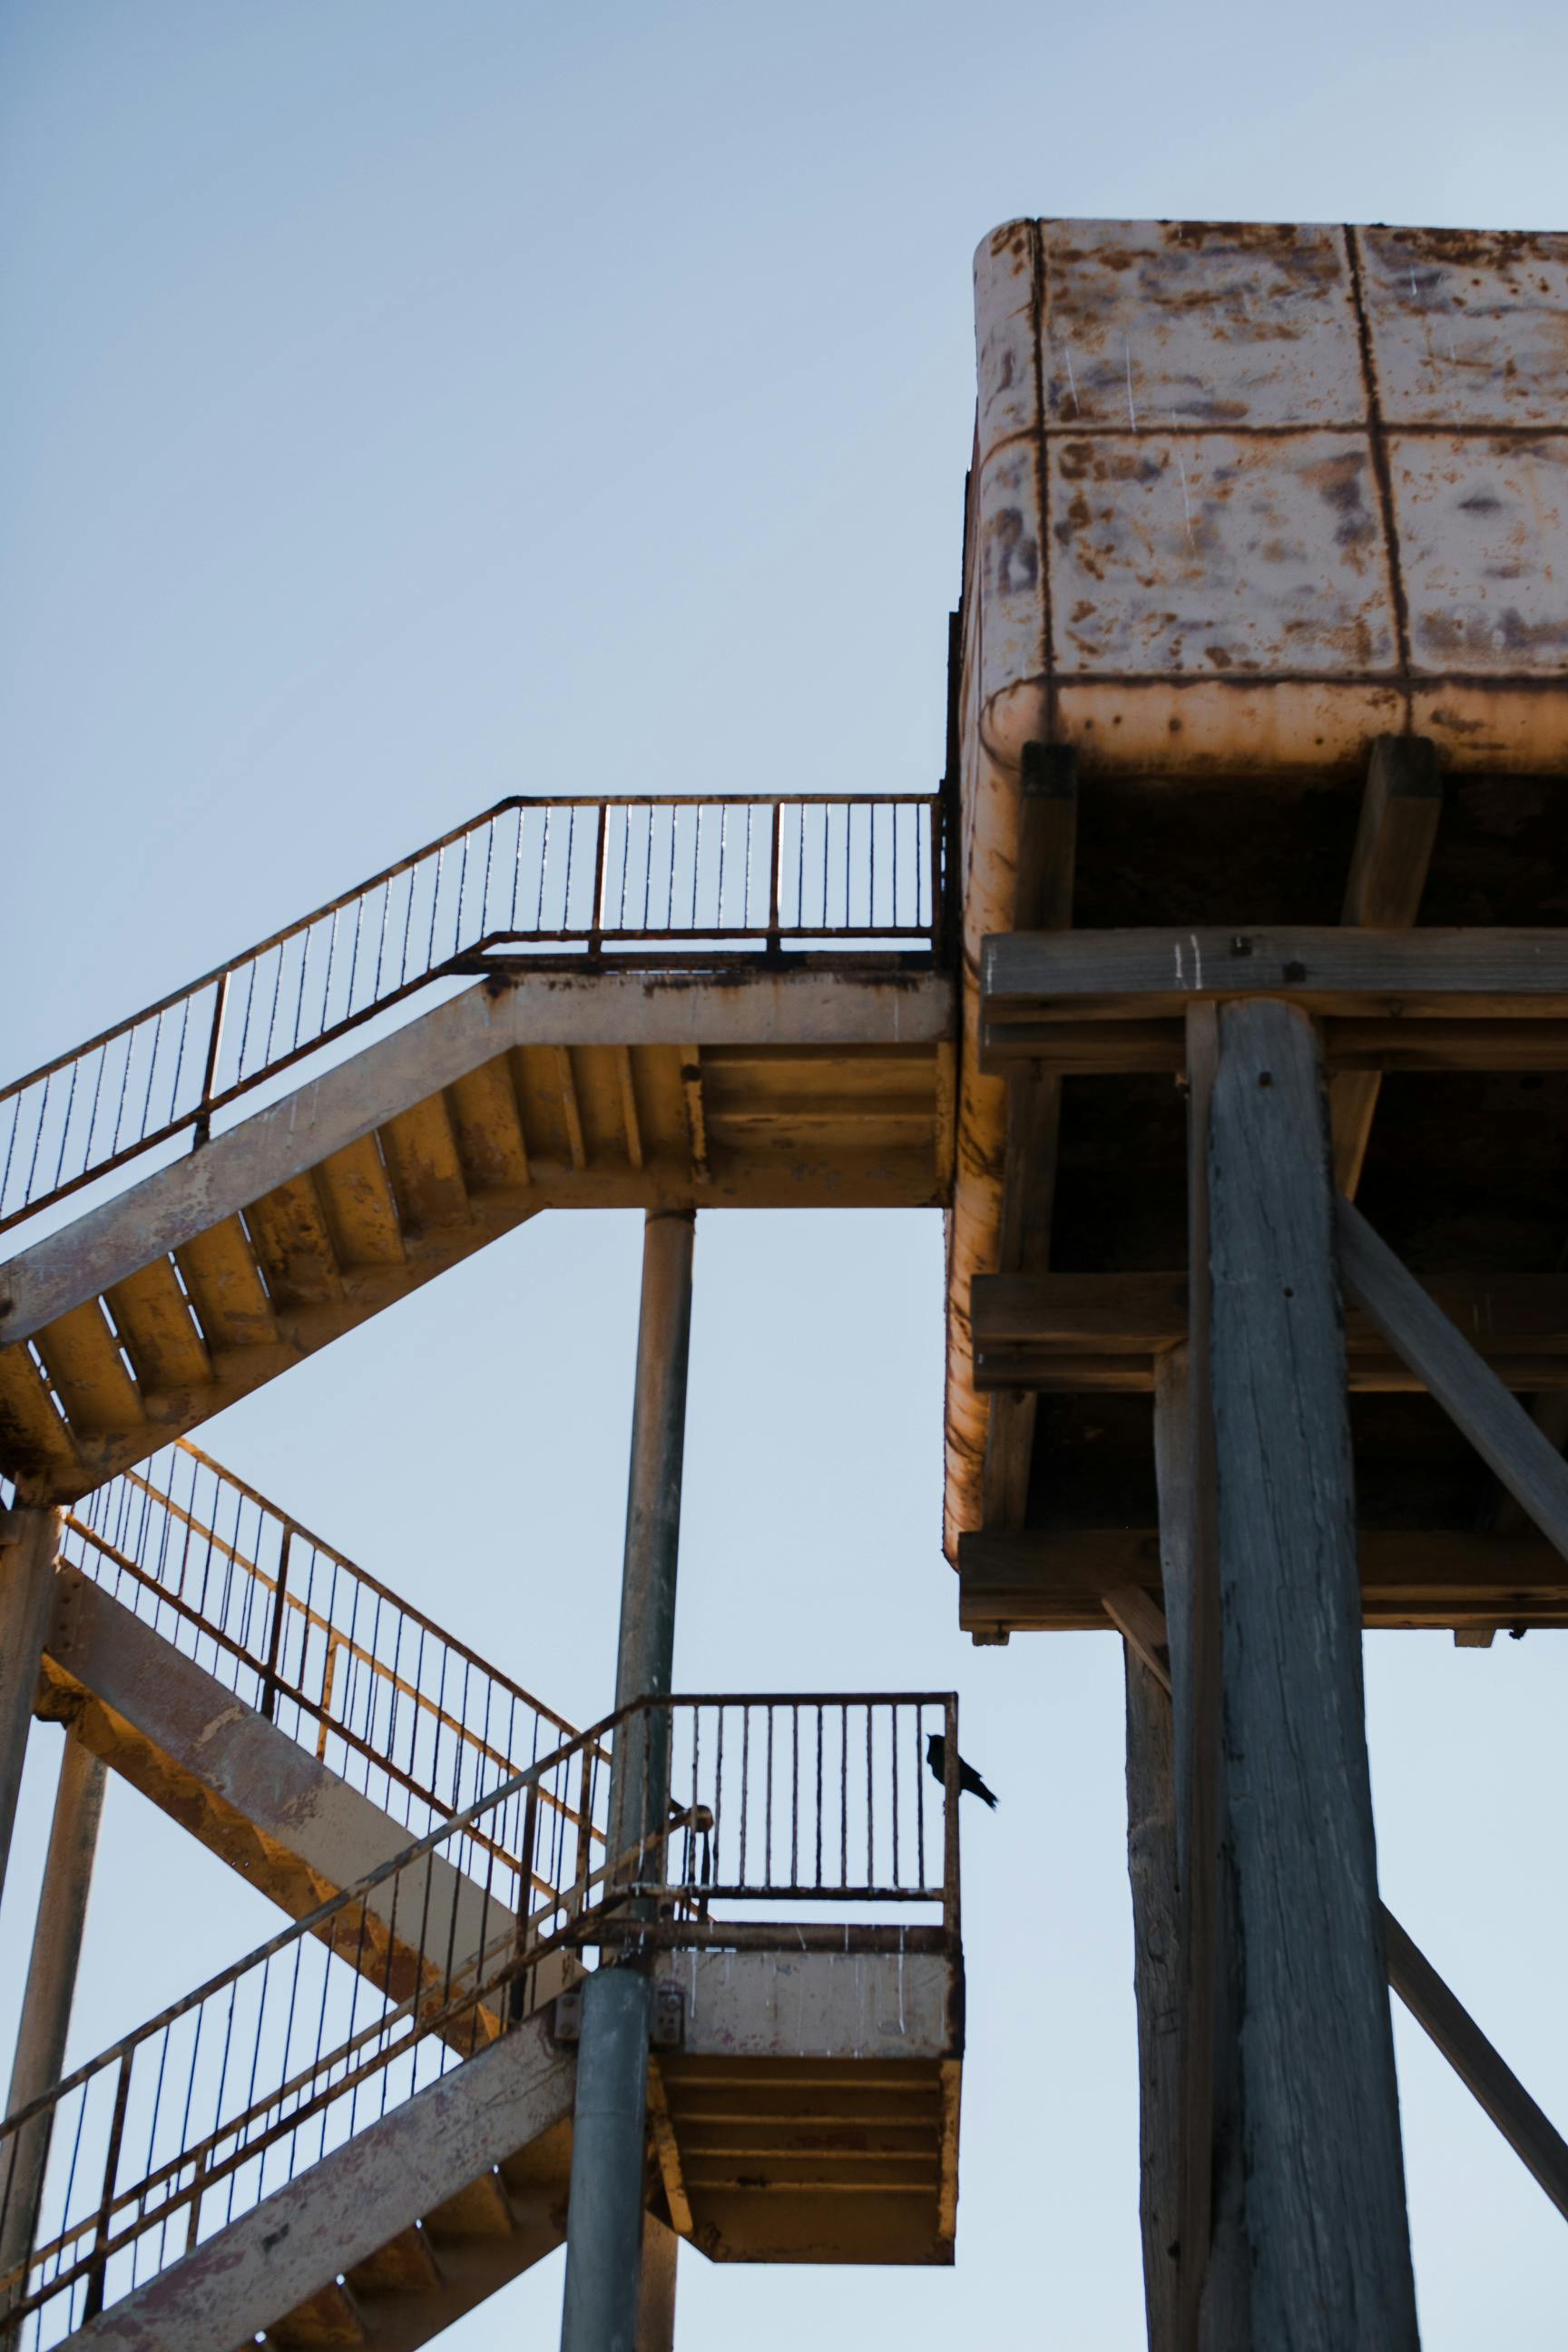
(776, 867)
(328, 1676)
(95, 2277)
(203, 1129)
(601, 839)
(604, 2217)
(275, 1631)
(950, 1792)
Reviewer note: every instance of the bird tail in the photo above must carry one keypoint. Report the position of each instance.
(986, 1795)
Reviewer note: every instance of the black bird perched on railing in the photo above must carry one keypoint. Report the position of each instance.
(968, 1777)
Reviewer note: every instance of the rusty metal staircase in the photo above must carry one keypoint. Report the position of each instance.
(364, 2128)
(603, 1003)
(295, 1714)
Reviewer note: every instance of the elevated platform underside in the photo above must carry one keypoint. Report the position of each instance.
(1464, 1176)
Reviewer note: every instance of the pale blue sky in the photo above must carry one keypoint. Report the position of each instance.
(405, 405)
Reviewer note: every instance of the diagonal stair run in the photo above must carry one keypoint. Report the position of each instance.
(292, 1712)
(789, 1043)
(327, 2149)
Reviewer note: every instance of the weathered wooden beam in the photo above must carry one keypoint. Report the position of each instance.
(1436, 2008)
(1310, 2184)
(1076, 1046)
(1399, 813)
(1534, 2139)
(1066, 1331)
(1497, 1425)
(1048, 844)
(1137, 974)
(1184, 1469)
(1156, 1948)
(1061, 1581)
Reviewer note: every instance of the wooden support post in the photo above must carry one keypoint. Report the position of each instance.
(1157, 1946)
(1047, 850)
(1310, 2171)
(1399, 813)
(1482, 2069)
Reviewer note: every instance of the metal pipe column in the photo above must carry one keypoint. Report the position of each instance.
(604, 2214)
(29, 1543)
(51, 1988)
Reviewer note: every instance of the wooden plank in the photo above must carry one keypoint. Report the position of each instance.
(1062, 1580)
(1482, 974)
(362, 1208)
(1047, 853)
(1062, 1332)
(225, 1286)
(293, 1245)
(1314, 2167)
(1399, 813)
(421, 1153)
(1533, 2139)
(159, 1329)
(1131, 1048)
(1142, 1624)
(1500, 1428)
(83, 1360)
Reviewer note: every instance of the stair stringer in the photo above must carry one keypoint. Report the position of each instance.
(292, 1828)
(319, 2227)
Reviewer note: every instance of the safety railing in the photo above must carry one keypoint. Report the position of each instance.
(408, 1714)
(596, 877)
(161, 2141)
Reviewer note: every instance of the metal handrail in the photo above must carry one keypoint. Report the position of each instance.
(157, 2142)
(409, 1714)
(595, 874)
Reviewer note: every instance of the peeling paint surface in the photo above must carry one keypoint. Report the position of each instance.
(1246, 493)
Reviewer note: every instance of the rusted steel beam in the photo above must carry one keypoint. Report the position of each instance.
(51, 1991)
(30, 1548)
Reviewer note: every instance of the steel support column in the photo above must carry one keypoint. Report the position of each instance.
(29, 1545)
(604, 2216)
(51, 1987)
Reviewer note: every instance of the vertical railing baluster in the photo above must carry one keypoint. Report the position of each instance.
(601, 843)
(775, 877)
(95, 2279)
(275, 1631)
